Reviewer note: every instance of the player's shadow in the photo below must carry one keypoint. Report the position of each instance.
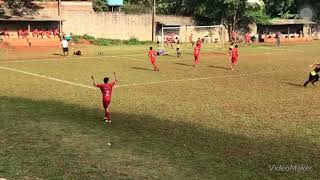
(140, 68)
(218, 67)
(57, 54)
(294, 84)
(69, 136)
(183, 64)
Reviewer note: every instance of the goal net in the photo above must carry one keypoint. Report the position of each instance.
(210, 36)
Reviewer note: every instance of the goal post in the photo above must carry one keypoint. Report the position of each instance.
(214, 35)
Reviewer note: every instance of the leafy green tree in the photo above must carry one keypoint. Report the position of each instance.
(18, 7)
(99, 5)
(279, 8)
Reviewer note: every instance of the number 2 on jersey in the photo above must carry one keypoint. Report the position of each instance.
(107, 93)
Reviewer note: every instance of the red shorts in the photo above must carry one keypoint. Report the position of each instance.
(153, 61)
(106, 103)
(234, 60)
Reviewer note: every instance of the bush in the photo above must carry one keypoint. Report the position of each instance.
(109, 42)
(76, 38)
(88, 37)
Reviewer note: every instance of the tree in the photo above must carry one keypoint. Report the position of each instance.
(18, 8)
(279, 8)
(99, 5)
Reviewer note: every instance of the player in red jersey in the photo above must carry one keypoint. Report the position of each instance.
(106, 90)
(234, 57)
(199, 43)
(234, 37)
(196, 53)
(152, 55)
(247, 38)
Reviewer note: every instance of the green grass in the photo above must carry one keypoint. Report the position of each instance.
(228, 125)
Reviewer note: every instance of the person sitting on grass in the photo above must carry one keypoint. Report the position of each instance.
(78, 53)
(314, 75)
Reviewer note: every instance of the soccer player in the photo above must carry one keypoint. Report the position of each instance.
(191, 40)
(230, 50)
(196, 53)
(313, 76)
(234, 57)
(234, 37)
(199, 43)
(247, 38)
(152, 55)
(65, 47)
(106, 90)
(178, 47)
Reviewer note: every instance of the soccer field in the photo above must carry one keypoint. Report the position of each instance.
(180, 123)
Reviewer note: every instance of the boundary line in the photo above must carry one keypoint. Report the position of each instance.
(134, 84)
(47, 77)
(70, 58)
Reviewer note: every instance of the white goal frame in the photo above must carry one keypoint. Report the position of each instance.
(222, 32)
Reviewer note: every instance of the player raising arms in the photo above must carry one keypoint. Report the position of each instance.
(199, 43)
(234, 57)
(152, 55)
(196, 53)
(313, 76)
(106, 90)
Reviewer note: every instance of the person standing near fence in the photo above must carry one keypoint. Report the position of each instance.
(65, 46)
(278, 39)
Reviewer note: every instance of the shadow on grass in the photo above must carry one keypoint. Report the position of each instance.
(294, 84)
(183, 64)
(140, 68)
(219, 67)
(57, 54)
(52, 139)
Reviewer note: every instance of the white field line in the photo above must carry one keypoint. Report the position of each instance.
(47, 77)
(69, 58)
(135, 84)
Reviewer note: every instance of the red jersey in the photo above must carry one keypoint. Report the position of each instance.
(106, 90)
(247, 37)
(234, 53)
(234, 35)
(152, 55)
(196, 51)
(199, 43)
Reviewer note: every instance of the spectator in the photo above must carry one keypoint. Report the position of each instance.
(6, 33)
(65, 47)
(35, 33)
